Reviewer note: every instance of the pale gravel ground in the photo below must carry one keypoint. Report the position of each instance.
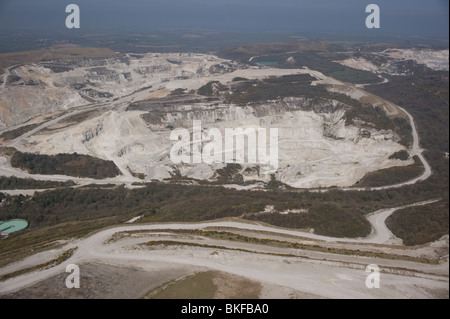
(436, 60)
(329, 277)
(324, 279)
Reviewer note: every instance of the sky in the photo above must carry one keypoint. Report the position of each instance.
(398, 17)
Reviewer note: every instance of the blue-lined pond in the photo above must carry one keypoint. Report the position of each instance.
(12, 226)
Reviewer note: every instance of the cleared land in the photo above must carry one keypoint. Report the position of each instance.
(308, 272)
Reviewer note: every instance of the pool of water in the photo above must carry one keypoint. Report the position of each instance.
(266, 63)
(12, 226)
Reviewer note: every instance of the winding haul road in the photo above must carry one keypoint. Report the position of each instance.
(98, 248)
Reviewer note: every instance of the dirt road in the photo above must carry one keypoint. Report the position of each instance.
(320, 273)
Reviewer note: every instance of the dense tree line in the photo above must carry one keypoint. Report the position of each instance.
(393, 175)
(65, 164)
(420, 225)
(325, 219)
(171, 202)
(28, 183)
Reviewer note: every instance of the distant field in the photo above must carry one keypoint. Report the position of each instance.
(26, 57)
(245, 52)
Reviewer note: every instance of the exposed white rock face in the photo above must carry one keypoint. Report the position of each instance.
(32, 90)
(315, 149)
(434, 59)
(291, 60)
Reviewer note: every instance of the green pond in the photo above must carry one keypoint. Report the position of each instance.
(266, 63)
(12, 226)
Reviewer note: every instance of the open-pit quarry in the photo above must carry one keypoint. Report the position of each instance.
(136, 101)
(123, 109)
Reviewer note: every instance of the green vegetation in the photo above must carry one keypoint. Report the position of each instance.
(426, 96)
(314, 55)
(230, 175)
(275, 184)
(47, 265)
(72, 213)
(78, 118)
(239, 79)
(420, 225)
(370, 114)
(27, 183)
(276, 88)
(10, 135)
(160, 202)
(322, 61)
(273, 51)
(325, 219)
(346, 74)
(65, 164)
(393, 175)
(376, 117)
(401, 155)
(137, 175)
(403, 128)
(208, 89)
